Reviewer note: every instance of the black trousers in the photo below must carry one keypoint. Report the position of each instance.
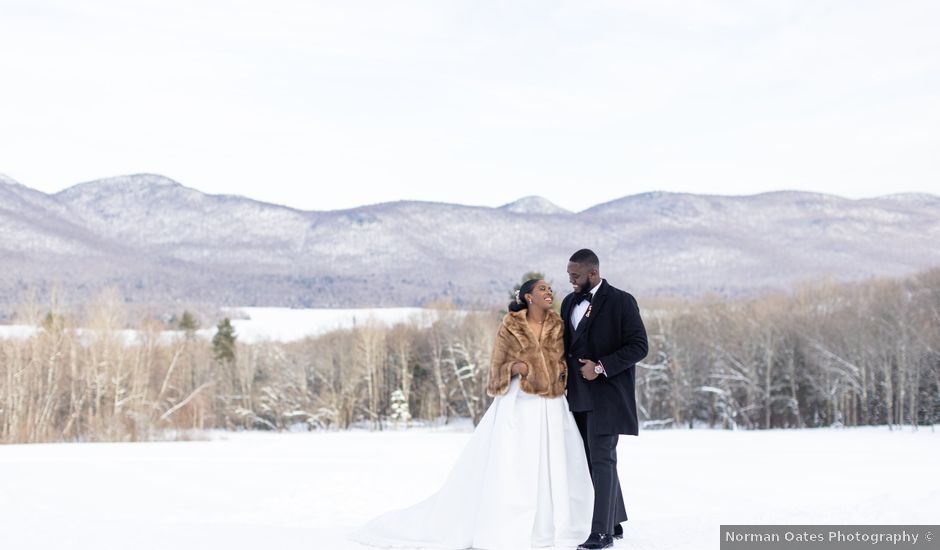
(601, 452)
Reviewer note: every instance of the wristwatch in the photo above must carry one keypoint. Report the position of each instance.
(598, 369)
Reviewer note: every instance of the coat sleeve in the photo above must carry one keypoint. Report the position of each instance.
(633, 343)
(500, 364)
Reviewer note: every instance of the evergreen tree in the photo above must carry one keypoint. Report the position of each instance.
(400, 411)
(188, 323)
(223, 343)
(53, 322)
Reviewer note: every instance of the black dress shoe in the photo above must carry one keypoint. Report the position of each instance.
(597, 541)
(618, 531)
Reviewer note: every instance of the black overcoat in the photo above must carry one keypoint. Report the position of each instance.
(612, 334)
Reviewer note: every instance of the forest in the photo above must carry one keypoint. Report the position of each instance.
(824, 354)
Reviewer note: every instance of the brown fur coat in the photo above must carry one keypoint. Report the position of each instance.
(515, 341)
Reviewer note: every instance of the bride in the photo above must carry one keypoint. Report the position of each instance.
(523, 480)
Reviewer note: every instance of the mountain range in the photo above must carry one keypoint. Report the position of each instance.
(160, 242)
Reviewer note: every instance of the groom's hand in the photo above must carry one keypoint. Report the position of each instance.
(587, 369)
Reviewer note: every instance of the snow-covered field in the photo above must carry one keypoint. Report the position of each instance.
(279, 324)
(308, 490)
(285, 324)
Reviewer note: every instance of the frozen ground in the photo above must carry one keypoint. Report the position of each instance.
(308, 490)
(285, 324)
(280, 324)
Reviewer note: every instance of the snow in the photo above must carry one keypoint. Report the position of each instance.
(309, 490)
(17, 332)
(285, 324)
(276, 324)
(534, 205)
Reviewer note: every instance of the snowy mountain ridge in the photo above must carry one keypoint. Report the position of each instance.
(534, 205)
(159, 241)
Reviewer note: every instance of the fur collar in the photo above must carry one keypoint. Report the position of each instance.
(519, 327)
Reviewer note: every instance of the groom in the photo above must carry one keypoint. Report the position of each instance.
(604, 338)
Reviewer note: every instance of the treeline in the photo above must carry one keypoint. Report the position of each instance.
(102, 383)
(837, 354)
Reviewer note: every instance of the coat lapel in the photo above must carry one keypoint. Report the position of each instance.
(566, 317)
(516, 324)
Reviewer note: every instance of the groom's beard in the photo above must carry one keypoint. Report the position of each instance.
(584, 287)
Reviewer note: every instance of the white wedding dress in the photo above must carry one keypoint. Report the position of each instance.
(521, 482)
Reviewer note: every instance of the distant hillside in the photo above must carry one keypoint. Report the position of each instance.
(160, 242)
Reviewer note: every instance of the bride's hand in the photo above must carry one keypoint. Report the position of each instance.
(520, 368)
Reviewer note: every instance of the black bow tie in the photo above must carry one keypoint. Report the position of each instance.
(582, 297)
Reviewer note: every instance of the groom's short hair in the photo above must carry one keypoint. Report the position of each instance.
(585, 257)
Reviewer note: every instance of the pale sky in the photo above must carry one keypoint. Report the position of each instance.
(325, 105)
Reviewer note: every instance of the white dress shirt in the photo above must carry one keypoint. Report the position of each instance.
(578, 311)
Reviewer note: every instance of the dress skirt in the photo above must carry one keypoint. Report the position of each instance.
(521, 482)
